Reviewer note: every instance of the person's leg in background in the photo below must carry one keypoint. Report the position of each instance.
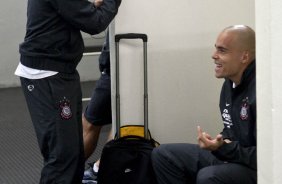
(98, 111)
(90, 137)
(97, 114)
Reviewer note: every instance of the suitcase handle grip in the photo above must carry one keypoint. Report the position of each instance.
(144, 37)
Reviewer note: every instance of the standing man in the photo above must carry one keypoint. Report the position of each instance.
(230, 157)
(52, 48)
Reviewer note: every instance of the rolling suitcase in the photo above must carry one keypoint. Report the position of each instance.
(127, 158)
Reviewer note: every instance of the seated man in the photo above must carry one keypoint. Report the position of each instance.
(230, 157)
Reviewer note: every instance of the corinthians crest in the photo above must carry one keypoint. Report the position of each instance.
(244, 109)
(65, 109)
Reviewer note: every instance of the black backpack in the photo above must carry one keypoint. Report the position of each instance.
(127, 160)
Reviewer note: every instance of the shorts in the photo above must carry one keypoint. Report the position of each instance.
(99, 111)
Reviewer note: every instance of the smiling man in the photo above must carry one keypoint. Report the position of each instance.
(230, 157)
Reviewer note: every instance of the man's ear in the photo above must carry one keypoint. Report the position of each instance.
(245, 57)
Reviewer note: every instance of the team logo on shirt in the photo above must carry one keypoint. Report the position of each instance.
(244, 109)
(65, 109)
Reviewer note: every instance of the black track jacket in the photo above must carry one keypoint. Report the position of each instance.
(238, 111)
(53, 40)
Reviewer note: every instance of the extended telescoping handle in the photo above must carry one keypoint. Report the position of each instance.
(144, 37)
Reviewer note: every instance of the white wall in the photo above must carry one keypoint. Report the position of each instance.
(12, 31)
(183, 91)
(269, 90)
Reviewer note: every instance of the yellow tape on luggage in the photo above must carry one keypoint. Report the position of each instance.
(136, 130)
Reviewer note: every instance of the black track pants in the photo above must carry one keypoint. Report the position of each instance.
(55, 107)
(189, 164)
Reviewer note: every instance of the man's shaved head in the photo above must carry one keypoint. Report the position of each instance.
(244, 36)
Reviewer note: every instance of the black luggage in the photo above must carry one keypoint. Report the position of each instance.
(127, 158)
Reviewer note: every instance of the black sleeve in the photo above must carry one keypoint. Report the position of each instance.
(84, 16)
(233, 152)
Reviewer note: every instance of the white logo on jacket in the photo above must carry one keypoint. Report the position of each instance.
(227, 118)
